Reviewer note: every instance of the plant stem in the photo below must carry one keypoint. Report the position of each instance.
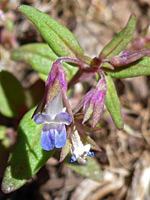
(75, 79)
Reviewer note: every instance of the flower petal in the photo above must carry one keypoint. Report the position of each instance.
(55, 107)
(60, 137)
(73, 159)
(63, 118)
(42, 118)
(47, 138)
(98, 107)
(91, 154)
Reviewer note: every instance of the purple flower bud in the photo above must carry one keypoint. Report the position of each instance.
(127, 57)
(55, 117)
(94, 101)
(56, 83)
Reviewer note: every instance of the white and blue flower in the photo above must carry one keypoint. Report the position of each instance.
(55, 118)
(79, 150)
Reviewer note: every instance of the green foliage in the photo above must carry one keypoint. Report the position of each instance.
(12, 97)
(90, 170)
(37, 55)
(58, 37)
(41, 57)
(115, 46)
(4, 149)
(27, 156)
(113, 104)
(2, 132)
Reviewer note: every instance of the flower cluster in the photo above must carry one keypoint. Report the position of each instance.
(58, 114)
(55, 117)
(94, 101)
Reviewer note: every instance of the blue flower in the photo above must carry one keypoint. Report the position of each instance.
(55, 118)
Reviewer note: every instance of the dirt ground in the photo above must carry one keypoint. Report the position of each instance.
(125, 159)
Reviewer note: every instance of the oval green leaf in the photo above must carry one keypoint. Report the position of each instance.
(58, 37)
(2, 132)
(41, 57)
(139, 68)
(90, 170)
(115, 46)
(38, 55)
(113, 103)
(12, 96)
(4, 149)
(27, 156)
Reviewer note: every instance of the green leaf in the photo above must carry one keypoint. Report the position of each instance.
(113, 104)
(12, 97)
(2, 132)
(90, 170)
(41, 57)
(107, 66)
(27, 156)
(58, 37)
(38, 55)
(115, 46)
(4, 153)
(4, 149)
(139, 68)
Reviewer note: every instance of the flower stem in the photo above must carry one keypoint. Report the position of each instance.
(75, 79)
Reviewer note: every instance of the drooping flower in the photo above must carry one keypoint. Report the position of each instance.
(79, 143)
(79, 150)
(94, 101)
(55, 117)
(56, 82)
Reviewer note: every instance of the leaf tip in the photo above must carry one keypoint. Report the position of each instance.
(120, 125)
(20, 7)
(23, 7)
(133, 15)
(132, 18)
(6, 187)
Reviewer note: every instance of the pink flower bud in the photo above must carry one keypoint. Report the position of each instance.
(94, 101)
